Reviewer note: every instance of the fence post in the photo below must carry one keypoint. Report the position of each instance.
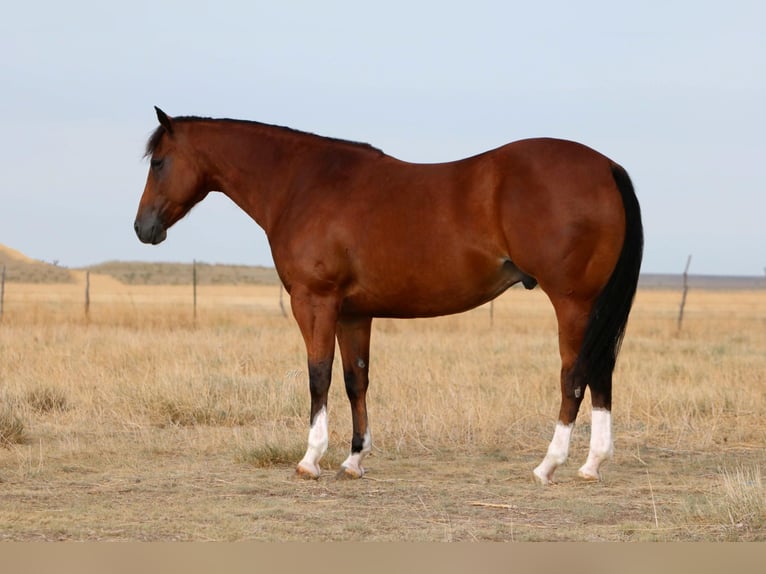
(87, 294)
(281, 304)
(683, 295)
(194, 283)
(2, 291)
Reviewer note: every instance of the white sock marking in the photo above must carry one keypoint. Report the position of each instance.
(558, 451)
(317, 444)
(353, 464)
(601, 445)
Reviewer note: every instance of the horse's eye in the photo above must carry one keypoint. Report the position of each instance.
(156, 163)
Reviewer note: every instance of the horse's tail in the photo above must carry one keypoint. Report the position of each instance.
(609, 316)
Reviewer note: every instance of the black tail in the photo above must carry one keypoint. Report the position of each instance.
(609, 316)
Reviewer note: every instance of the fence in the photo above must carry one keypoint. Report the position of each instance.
(99, 298)
(94, 296)
(2, 291)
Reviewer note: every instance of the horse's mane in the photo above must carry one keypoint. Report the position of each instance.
(156, 137)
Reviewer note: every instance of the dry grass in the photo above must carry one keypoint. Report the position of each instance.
(743, 497)
(192, 428)
(11, 427)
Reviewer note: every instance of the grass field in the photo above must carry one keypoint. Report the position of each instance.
(141, 423)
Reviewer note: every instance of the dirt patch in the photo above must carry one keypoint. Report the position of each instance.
(176, 496)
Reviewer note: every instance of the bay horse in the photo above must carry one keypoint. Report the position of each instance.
(357, 234)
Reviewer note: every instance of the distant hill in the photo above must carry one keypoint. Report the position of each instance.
(21, 269)
(137, 273)
(723, 282)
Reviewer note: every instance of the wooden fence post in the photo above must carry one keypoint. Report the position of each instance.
(683, 295)
(194, 283)
(87, 294)
(2, 291)
(281, 304)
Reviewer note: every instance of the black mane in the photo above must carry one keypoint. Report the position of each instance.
(154, 141)
(156, 137)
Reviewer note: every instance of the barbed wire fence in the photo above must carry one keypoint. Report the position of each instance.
(137, 294)
(90, 296)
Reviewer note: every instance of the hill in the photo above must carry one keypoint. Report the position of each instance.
(21, 269)
(137, 273)
(706, 282)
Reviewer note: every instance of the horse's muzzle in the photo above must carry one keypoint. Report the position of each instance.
(150, 229)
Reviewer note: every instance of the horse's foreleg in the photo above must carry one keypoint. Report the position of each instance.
(319, 385)
(354, 342)
(316, 318)
(572, 318)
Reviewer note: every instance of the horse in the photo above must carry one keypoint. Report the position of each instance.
(357, 234)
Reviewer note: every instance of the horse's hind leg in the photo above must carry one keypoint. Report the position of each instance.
(601, 442)
(572, 315)
(354, 342)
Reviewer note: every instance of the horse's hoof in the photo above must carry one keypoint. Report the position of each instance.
(588, 475)
(542, 478)
(306, 474)
(348, 474)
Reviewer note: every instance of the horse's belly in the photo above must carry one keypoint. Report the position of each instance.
(428, 293)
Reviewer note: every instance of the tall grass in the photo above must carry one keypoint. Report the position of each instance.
(736, 503)
(446, 383)
(142, 377)
(743, 497)
(11, 427)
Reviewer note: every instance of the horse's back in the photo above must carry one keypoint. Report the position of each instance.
(406, 239)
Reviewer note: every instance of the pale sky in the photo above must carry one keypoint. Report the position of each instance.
(674, 91)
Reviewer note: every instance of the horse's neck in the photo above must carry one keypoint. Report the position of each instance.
(248, 164)
(258, 166)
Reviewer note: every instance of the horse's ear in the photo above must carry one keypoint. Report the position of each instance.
(165, 120)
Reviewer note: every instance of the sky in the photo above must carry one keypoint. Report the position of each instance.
(675, 91)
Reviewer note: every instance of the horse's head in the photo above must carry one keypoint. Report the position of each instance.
(174, 185)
